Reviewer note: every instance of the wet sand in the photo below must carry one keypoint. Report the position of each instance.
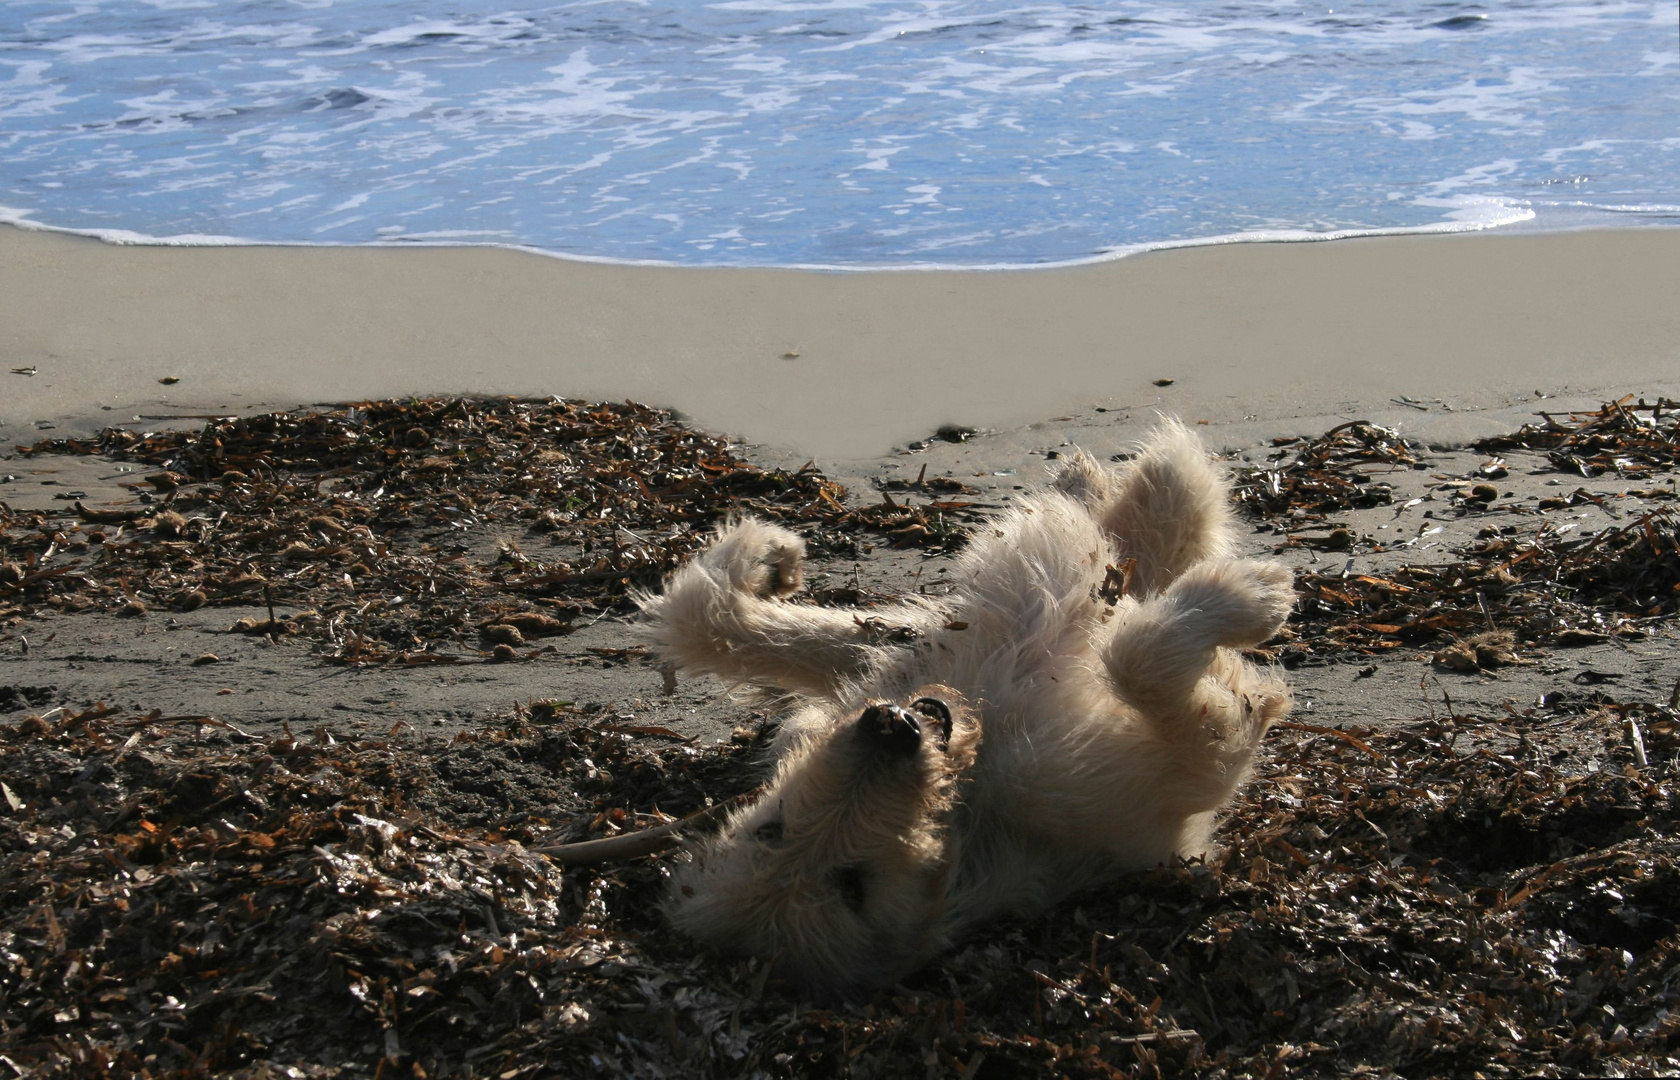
(841, 367)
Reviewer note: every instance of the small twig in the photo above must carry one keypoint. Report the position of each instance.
(1154, 1036)
(1337, 732)
(273, 623)
(109, 517)
(1636, 740)
(646, 842)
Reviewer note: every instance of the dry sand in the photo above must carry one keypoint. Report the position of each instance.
(1278, 333)
(1260, 340)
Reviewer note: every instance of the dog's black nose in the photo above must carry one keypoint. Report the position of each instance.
(891, 729)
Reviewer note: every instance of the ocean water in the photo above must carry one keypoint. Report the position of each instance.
(833, 133)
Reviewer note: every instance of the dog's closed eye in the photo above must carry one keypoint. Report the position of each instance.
(848, 882)
(769, 833)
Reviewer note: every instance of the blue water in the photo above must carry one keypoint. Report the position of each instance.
(833, 132)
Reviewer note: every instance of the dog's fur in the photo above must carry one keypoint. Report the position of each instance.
(1081, 737)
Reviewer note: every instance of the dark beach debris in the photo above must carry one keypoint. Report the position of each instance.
(366, 522)
(1546, 586)
(951, 433)
(1615, 439)
(363, 530)
(1481, 652)
(1439, 898)
(924, 482)
(1448, 896)
(1323, 475)
(1618, 581)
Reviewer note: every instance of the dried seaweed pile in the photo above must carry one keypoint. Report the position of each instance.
(1544, 588)
(1323, 475)
(362, 518)
(1613, 439)
(176, 902)
(179, 904)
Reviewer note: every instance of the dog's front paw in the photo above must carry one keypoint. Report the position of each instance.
(759, 559)
(1249, 600)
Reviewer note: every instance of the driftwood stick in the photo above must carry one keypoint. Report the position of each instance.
(646, 842)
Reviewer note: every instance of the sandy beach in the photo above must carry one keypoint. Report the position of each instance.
(238, 660)
(417, 422)
(1445, 339)
(843, 367)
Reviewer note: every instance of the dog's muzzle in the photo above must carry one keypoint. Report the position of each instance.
(894, 730)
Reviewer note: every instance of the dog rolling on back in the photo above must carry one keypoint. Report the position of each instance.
(951, 760)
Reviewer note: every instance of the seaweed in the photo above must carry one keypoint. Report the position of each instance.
(179, 898)
(362, 520)
(1323, 475)
(1613, 439)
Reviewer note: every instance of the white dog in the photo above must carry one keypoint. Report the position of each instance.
(1071, 710)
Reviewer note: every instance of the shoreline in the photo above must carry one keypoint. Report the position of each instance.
(843, 367)
(1517, 222)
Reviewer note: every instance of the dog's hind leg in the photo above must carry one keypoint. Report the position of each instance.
(724, 613)
(1168, 510)
(1203, 708)
(1163, 645)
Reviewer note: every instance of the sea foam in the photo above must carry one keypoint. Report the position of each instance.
(856, 134)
